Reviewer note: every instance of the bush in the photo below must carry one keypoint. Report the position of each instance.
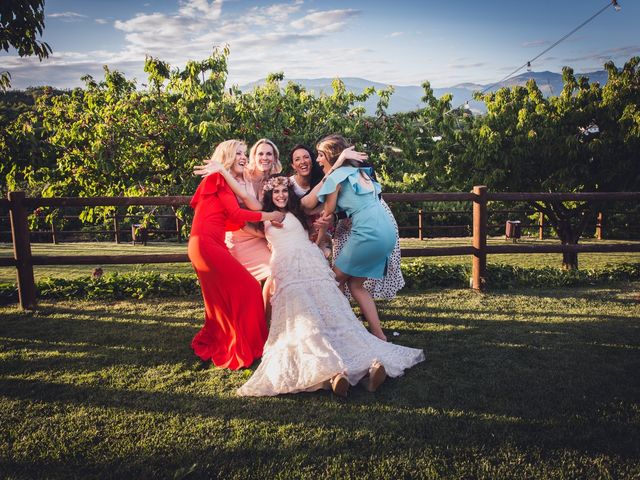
(418, 275)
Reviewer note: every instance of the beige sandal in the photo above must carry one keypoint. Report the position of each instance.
(340, 385)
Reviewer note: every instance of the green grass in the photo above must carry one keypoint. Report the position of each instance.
(520, 384)
(7, 274)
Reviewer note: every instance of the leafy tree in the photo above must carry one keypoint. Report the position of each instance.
(21, 21)
(530, 143)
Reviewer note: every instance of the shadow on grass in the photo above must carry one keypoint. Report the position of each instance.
(487, 382)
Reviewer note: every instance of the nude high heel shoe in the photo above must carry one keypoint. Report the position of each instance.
(340, 385)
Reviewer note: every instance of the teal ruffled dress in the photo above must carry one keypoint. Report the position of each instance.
(372, 231)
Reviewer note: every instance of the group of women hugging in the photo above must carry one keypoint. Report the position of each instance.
(253, 225)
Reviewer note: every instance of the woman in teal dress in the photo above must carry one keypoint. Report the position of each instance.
(372, 239)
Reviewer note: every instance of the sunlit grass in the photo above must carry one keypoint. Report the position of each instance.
(535, 384)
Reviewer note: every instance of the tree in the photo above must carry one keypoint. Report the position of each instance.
(584, 140)
(21, 21)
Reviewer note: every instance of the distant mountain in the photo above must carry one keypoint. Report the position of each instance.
(407, 98)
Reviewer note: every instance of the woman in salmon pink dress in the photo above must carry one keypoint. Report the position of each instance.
(234, 329)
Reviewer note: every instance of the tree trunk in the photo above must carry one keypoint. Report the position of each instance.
(569, 224)
(568, 236)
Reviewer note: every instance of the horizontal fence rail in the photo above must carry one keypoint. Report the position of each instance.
(23, 260)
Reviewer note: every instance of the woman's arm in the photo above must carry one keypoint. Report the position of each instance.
(310, 200)
(237, 214)
(331, 202)
(251, 229)
(212, 166)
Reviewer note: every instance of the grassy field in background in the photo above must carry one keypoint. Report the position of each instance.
(519, 384)
(7, 274)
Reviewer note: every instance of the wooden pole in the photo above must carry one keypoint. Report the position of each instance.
(479, 269)
(178, 236)
(420, 224)
(599, 226)
(22, 250)
(116, 229)
(541, 226)
(54, 239)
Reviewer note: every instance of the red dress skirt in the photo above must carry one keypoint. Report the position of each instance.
(235, 329)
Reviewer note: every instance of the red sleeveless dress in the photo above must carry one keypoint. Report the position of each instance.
(235, 329)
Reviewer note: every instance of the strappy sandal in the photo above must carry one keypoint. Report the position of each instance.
(340, 385)
(377, 375)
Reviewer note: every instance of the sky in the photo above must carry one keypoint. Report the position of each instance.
(399, 42)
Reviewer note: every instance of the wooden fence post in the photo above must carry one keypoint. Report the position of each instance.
(54, 239)
(541, 226)
(178, 235)
(116, 229)
(479, 270)
(22, 251)
(420, 224)
(599, 226)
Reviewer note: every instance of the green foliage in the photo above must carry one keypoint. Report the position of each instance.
(421, 275)
(418, 275)
(117, 286)
(21, 21)
(112, 139)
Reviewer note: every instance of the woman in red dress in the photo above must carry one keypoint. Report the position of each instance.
(234, 329)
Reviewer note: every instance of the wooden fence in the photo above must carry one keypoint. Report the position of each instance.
(19, 205)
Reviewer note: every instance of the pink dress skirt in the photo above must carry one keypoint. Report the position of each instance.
(252, 252)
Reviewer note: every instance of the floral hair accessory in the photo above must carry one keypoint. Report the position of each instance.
(276, 182)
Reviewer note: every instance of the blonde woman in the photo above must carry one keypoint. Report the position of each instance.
(248, 245)
(234, 329)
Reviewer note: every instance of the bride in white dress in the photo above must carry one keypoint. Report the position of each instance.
(315, 340)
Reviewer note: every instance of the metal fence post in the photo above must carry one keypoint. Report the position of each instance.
(22, 251)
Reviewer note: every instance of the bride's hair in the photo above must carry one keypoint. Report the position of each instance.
(293, 204)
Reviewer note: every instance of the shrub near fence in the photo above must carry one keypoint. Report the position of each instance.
(24, 261)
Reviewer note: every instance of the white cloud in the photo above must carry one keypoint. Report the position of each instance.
(326, 21)
(101, 21)
(67, 16)
(201, 9)
(263, 39)
(396, 34)
(536, 43)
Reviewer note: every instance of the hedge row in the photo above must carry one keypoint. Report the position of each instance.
(417, 273)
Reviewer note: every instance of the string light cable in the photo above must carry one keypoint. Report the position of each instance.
(612, 3)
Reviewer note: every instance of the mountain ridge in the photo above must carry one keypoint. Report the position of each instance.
(408, 97)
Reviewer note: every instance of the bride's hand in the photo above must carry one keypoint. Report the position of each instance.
(276, 218)
(209, 168)
(350, 154)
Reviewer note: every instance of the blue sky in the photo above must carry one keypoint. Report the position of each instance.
(397, 42)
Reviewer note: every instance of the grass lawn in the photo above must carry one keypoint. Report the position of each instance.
(7, 274)
(519, 384)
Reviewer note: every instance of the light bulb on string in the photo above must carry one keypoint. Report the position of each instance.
(528, 66)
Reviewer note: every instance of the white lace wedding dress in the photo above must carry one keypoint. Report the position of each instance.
(314, 334)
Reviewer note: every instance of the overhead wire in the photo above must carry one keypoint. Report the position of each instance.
(611, 3)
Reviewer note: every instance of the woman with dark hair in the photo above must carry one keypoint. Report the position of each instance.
(307, 173)
(315, 341)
